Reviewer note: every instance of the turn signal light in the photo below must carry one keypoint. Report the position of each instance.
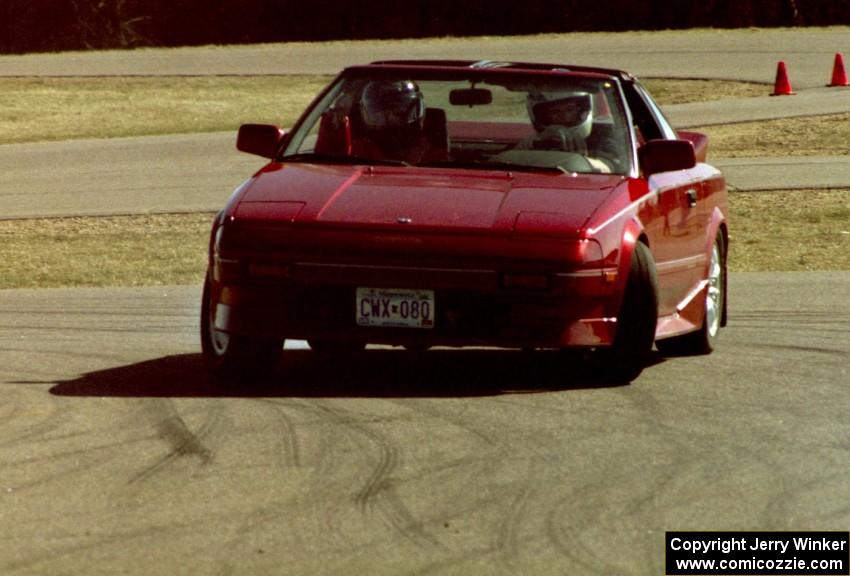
(225, 270)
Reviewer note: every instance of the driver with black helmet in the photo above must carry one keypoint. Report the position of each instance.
(392, 114)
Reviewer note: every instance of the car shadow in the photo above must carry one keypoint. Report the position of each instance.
(373, 373)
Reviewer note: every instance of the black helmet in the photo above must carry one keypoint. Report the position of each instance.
(392, 105)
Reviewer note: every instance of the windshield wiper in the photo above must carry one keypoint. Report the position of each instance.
(339, 159)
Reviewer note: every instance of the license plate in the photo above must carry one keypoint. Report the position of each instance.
(395, 308)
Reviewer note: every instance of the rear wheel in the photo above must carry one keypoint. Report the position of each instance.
(637, 320)
(232, 356)
(702, 341)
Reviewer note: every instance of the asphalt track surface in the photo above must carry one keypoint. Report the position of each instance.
(120, 456)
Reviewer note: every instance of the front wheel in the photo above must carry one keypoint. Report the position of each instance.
(703, 340)
(637, 320)
(232, 356)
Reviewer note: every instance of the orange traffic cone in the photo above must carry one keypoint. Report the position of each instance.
(782, 86)
(839, 76)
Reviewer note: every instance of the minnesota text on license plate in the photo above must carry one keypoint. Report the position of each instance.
(396, 308)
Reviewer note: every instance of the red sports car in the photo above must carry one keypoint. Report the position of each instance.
(459, 203)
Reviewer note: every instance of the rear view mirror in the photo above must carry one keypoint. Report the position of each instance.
(470, 97)
(260, 139)
(666, 156)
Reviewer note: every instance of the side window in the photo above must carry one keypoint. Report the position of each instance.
(305, 136)
(652, 122)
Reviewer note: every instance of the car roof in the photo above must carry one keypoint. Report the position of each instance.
(500, 65)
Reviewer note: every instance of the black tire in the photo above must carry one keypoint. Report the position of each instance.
(703, 340)
(636, 322)
(232, 357)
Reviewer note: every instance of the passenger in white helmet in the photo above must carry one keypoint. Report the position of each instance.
(563, 121)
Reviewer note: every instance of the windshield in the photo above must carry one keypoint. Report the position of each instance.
(566, 123)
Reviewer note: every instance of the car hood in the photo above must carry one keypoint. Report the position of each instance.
(417, 198)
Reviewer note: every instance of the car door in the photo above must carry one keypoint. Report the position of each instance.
(675, 223)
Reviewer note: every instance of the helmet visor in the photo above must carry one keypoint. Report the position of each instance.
(391, 105)
(569, 111)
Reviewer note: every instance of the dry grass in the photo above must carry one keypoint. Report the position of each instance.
(669, 91)
(790, 230)
(37, 109)
(805, 136)
(802, 136)
(106, 251)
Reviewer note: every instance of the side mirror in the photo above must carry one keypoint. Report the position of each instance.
(700, 142)
(260, 139)
(666, 156)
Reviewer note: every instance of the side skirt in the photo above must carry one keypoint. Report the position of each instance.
(688, 316)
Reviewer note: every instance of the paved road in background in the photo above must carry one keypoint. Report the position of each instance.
(197, 172)
(185, 173)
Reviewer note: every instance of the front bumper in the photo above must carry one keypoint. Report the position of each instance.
(473, 307)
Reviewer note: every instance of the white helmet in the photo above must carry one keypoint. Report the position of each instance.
(570, 110)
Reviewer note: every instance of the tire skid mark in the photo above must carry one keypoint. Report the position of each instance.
(68, 457)
(567, 536)
(379, 478)
(36, 432)
(279, 512)
(452, 564)
(62, 474)
(424, 406)
(508, 538)
(41, 434)
(326, 464)
(33, 430)
(378, 492)
(269, 513)
(508, 543)
(797, 348)
(75, 453)
(783, 508)
(172, 429)
(567, 542)
(640, 514)
(288, 437)
(322, 467)
(827, 322)
(102, 541)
